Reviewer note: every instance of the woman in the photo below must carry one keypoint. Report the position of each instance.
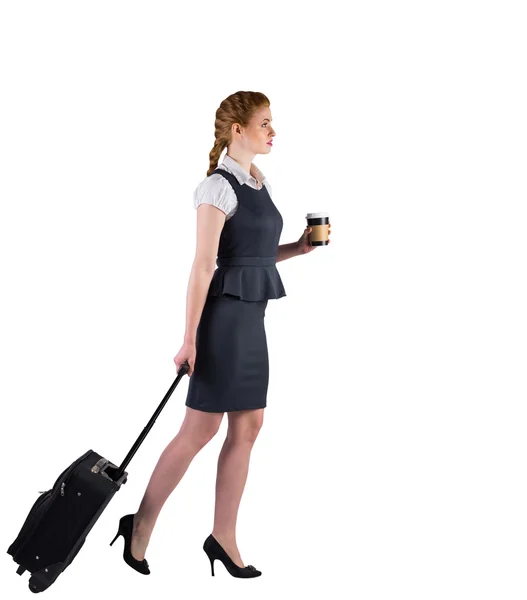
(224, 343)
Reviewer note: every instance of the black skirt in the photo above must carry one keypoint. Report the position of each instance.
(231, 371)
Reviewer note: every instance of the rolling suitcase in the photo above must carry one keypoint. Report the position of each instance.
(61, 518)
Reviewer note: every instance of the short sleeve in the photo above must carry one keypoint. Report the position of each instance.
(216, 190)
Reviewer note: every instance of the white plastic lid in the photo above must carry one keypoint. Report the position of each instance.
(316, 215)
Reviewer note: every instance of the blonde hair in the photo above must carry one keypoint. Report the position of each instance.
(236, 108)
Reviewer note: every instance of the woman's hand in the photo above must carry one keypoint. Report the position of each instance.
(303, 243)
(187, 352)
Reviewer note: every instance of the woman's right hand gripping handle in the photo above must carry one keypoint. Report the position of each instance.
(186, 353)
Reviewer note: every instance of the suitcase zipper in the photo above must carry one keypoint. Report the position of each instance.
(61, 489)
(71, 470)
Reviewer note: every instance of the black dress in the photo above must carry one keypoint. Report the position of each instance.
(231, 371)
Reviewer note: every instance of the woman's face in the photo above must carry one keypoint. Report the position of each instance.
(255, 137)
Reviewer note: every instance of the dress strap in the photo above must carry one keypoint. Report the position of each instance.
(229, 177)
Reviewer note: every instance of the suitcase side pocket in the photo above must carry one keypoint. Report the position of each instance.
(32, 518)
(40, 507)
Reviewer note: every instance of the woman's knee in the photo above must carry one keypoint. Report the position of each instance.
(244, 426)
(199, 427)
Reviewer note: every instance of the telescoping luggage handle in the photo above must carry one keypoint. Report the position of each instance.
(183, 369)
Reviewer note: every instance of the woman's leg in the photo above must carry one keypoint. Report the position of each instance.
(197, 429)
(233, 466)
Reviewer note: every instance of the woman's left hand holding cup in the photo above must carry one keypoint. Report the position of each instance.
(303, 243)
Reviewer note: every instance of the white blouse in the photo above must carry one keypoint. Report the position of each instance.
(216, 190)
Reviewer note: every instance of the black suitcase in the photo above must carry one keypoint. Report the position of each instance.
(61, 518)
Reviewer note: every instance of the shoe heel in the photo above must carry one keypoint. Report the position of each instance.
(118, 534)
(211, 556)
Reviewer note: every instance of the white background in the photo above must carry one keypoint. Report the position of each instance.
(391, 463)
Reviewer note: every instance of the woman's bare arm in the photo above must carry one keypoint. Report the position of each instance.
(210, 222)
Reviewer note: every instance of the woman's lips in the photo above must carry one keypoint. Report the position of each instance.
(269, 143)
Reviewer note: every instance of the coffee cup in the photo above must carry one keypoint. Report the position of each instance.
(319, 223)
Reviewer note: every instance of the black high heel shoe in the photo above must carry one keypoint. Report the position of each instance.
(126, 524)
(214, 551)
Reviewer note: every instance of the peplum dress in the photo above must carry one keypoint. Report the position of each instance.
(231, 371)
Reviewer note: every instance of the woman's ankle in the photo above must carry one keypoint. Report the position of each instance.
(225, 536)
(141, 526)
